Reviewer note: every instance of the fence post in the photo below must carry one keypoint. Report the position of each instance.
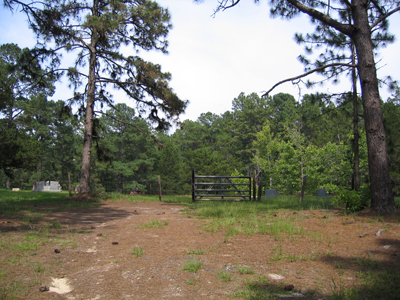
(260, 185)
(159, 187)
(254, 185)
(193, 185)
(69, 184)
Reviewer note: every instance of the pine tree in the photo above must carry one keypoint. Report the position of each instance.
(365, 20)
(100, 33)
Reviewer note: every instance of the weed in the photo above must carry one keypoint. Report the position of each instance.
(195, 252)
(338, 265)
(316, 236)
(192, 266)
(338, 291)
(291, 258)
(313, 256)
(138, 251)
(330, 241)
(368, 261)
(39, 268)
(153, 224)
(258, 288)
(25, 246)
(279, 253)
(224, 276)
(56, 225)
(4, 244)
(245, 270)
(84, 231)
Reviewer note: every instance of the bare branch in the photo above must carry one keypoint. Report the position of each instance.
(306, 74)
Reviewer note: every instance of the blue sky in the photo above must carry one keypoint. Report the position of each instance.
(213, 59)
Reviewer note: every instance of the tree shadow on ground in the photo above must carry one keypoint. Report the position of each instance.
(61, 214)
(378, 271)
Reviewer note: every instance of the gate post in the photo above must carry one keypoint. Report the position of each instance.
(193, 185)
(254, 185)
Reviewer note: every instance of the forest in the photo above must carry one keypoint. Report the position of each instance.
(337, 142)
(282, 139)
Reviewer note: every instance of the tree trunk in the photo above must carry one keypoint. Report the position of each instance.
(355, 124)
(303, 186)
(381, 189)
(260, 186)
(90, 96)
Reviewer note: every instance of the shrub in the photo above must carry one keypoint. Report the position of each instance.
(352, 200)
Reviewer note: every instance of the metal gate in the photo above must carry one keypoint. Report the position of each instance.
(220, 188)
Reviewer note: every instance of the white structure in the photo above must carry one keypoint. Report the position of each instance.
(47, 186)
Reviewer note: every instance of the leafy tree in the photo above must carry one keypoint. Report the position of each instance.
(360, 21)
(96, 33)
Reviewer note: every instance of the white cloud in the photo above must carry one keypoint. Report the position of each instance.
(212, 60)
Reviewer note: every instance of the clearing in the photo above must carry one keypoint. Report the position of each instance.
(156, 250)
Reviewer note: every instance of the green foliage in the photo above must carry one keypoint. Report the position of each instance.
(353, 200)
(138, 251)
(192, 266)
(391, 113)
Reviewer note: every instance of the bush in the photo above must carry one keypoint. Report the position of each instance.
(354, 201)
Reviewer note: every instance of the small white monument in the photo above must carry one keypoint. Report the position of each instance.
(47, 186)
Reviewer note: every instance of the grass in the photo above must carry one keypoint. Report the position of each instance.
(217, 209)
(153, 224)
(225, 276)
(192, 266)
(22, 246)
(195, 252)
(138, 251)
(245, 270)
(258, 288)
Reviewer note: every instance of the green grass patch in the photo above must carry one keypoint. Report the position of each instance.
(192, 266)
(244, 209)
(195, 252)
(138, 251)
(245, 270)
(225, 276)
(125, 198)
(153, 224)
(25, 204)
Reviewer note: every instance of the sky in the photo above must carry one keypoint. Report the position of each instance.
(213, 59)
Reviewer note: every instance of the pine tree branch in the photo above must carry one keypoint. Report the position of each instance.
(306, 74)
(325, 19)
(383, 17)
(159, 144)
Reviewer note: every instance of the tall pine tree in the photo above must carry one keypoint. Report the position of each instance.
(364, 21)
(100, 33)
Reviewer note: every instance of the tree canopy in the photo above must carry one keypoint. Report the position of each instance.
(363, 24)
(99, 33)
